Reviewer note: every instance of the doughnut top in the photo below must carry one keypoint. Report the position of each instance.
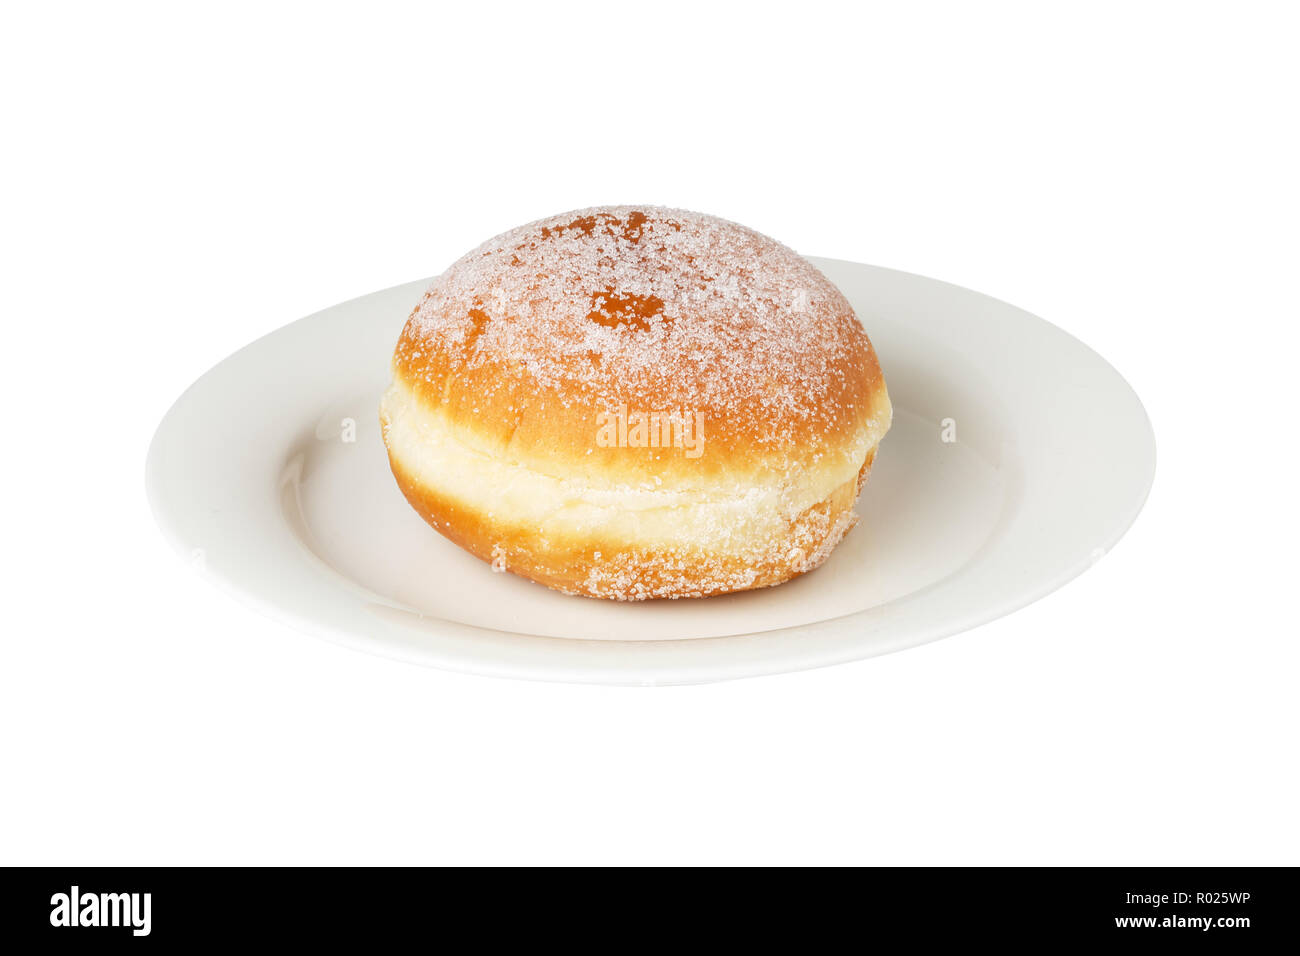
(526, 338)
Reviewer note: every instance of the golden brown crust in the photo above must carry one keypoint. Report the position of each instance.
(523, 343)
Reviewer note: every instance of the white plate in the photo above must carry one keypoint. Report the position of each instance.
(252, 475)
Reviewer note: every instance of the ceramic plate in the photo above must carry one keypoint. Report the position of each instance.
(1016, 458)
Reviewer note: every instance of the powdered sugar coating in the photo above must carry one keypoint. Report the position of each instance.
(656, 308)
(633, 576)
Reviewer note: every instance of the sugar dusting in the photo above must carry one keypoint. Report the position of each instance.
(678, 576)
(642, 304)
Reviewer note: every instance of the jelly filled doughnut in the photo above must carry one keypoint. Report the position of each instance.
(635, 402)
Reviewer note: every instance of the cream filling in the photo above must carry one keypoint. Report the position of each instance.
(730, 516)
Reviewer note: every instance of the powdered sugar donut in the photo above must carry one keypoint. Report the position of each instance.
(635, 402)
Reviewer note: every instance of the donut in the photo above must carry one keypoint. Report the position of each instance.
(633, 402)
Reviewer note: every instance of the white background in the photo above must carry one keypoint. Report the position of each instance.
(178, 182)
